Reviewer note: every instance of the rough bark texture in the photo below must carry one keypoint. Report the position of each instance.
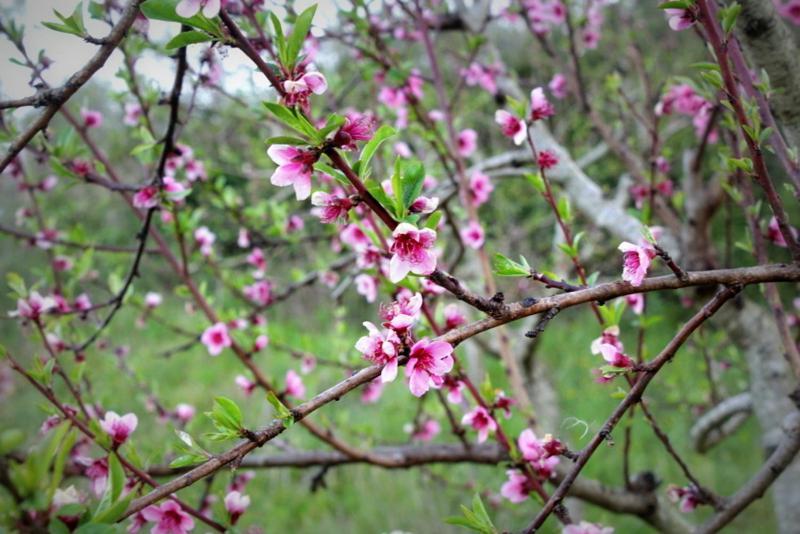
(754, 332)
(771, 46)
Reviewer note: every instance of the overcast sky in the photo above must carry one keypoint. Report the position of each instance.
(70, 53)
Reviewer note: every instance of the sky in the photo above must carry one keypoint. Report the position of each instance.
(70, 53)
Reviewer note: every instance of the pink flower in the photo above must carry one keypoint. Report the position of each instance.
(367, 286)
(330, 207)
(455, 389)
(411, 252)
(190, 8)
(614, 356)
(294, 385)
(402, 149)
(184, 412)
(636, 302)
(97, 472)
(636, 261)
(355, 237)
(82, 302)
(473, 235)
(540, 107)
(372, 391)
(424, 205)
(243, 239)
(662, 165)
(259, 292)
(294, 223)
(205, 240)
(146, 198)
(453, 318)
(427, 431)
(774, 234)
(216, 338)
(357, 127)
(480, 187)
(34, 306)
(246, 385)
(236, 504)
(169, 517)
(380, 348)
(295, 166)
(257, 260)
(481, 421)
(688, 497)
(511, 126)
(401, 314)
(503, 403)
(152, 299)
(558, 86)
(530, 446)
(132, 113)
(680, 19)
(119, 427)
(310, 82)
(547, 160)
(477, 74)
(91, 118)
(308, 364)
(517, 487)
(467, 142)
(790, 10)
(261, 343)
(428, 362)
(584, 527)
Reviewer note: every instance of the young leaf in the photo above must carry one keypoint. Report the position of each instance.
(383, 133)
(504, 266)
(299, 33)
(280, 40)
(187, 38)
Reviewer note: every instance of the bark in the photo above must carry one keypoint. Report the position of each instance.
(753, 330)
(770, 45)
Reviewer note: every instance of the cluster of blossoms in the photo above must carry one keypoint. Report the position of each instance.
(541, 456)
(682, 99)
(172, 189)
(516, 128)
(399, 97)
(428, 361)
(483, 75)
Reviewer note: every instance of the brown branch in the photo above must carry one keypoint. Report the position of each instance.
(632, 398)
(60, 95)
(756, 487)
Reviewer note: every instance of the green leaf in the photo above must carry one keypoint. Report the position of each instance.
(536, 181)
(280, 40)
(185, 460)
(333, 123)
(186, 38)
(433, 220)
(383, 133)
(299, 33)
(112, 514)
(292, 119)
(11, 439)
(281, 411)
(412, 177)
(504, 266)
(165, 10)
(564, 209)
(677, 4)
(116, 476)
(17, 284)
(729, 16)
(230, 410)
(286, 140)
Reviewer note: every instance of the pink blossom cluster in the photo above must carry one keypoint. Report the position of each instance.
(541, 455)
(682, 99)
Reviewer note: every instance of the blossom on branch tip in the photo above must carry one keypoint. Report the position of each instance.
(295, 166)
(427, 430)
(467, 142)
(541, 108)
(133, 111)
(245, 384)
(216, 338)
(380, 348)
(205, 240)
(236, 504)
(517, 487)
(636, 261)
(152, 299)
(636, 302)
(34, 306)
(424, 205)
(294, 385)
(680, 19)
(366, 286)
(609, 336)
(169, 517)
(558, 86)
(184, 412)
(412, 251)
(546, 160)
(91, 118)
(330, 207)
(480, 188)
(472, 235)
(480, 420)
(428, 362)
(615, 357)
(401, 314)
(119, 427)
(511, 126)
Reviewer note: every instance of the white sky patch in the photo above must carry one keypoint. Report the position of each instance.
(69, 53)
